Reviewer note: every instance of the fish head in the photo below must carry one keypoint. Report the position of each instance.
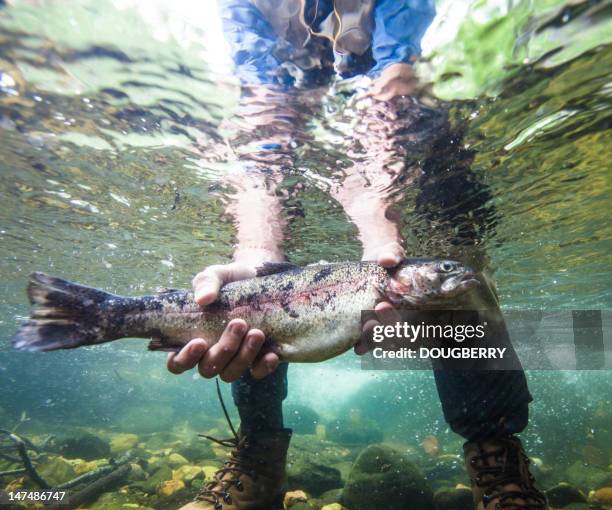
(429, 282)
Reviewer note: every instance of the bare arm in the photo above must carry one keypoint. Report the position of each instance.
(266, 115)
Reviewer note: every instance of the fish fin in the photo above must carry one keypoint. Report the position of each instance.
(64, 315)
(167, 291)
(268, 268)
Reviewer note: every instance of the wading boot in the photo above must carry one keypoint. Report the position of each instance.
(499, 471)
(251, 479)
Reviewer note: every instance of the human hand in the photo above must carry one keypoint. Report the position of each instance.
(239, 347)
(389, 255)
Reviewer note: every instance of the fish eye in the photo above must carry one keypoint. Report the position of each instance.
(446, 266)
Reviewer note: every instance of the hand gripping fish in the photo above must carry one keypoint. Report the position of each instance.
(308, 313)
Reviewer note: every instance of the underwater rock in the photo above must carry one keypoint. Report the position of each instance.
(195, 450)
(188, 473)
(169, 487)
(302, 419)
(445, 467)
(311, 476)
(302, 506)
(293, 497)
(121, 443)
(209, 471)
(111, 501)
(453, 499)
(354, 430)
(153, 463)
(176, 460)
(588, 477)
(136, 473)
(383, 477)
(564, 494)
(332, 496)
(82, 466)
(578, 506)
(57, 470)
(150, 485)
(602, 496)
(333, 506)
(85, 446)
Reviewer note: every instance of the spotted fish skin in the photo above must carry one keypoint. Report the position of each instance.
(308, 313)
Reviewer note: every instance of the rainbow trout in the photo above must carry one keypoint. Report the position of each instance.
(309, 314)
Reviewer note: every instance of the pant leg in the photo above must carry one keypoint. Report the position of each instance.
(478, 404)
(260, 401)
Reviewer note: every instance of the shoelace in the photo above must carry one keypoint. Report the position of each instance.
(503, 472)
(217, 490)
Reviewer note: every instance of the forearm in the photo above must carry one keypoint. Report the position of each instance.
(265, 126)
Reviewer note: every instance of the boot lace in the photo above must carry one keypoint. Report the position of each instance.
(217, 490)
(507, 465)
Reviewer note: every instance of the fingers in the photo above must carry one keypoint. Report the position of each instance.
(220, 354)
(390, 255)
(206, 284)
(385, 314)
(245, 357)
(265, 365)
(188, 357)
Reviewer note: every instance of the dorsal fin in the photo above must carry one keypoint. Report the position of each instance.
(268, 268)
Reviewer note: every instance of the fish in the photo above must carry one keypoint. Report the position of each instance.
(308, 314)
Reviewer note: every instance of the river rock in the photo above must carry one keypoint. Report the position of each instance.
(293, 497)
(302, 419)
(209, 471)
(150, 485)
(602, 496)
(311, 476)
(564, 494)
(121, 443)
(169, 487)
(195, 450)
(588, 477)
(383, 477)
(110, 501)
(332, 496)
(188, 473)
(453, 499)
(136, 474)
(85, 446)
(57, 470)
(354, 430)
(176, 460)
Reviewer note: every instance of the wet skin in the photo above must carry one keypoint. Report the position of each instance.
(242, 348)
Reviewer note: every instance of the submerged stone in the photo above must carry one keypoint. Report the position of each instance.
(85, 446)
(354, 430)
(121, 443)
(453, 499)
(564, 494)
(302, 419)
(315, 478)
(383, 477)
(169, 487)
(57, 470)
(588, 477)
(188, 473)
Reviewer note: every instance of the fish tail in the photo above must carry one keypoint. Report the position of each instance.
(64, 315)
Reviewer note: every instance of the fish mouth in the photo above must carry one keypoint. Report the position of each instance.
(469, 278)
